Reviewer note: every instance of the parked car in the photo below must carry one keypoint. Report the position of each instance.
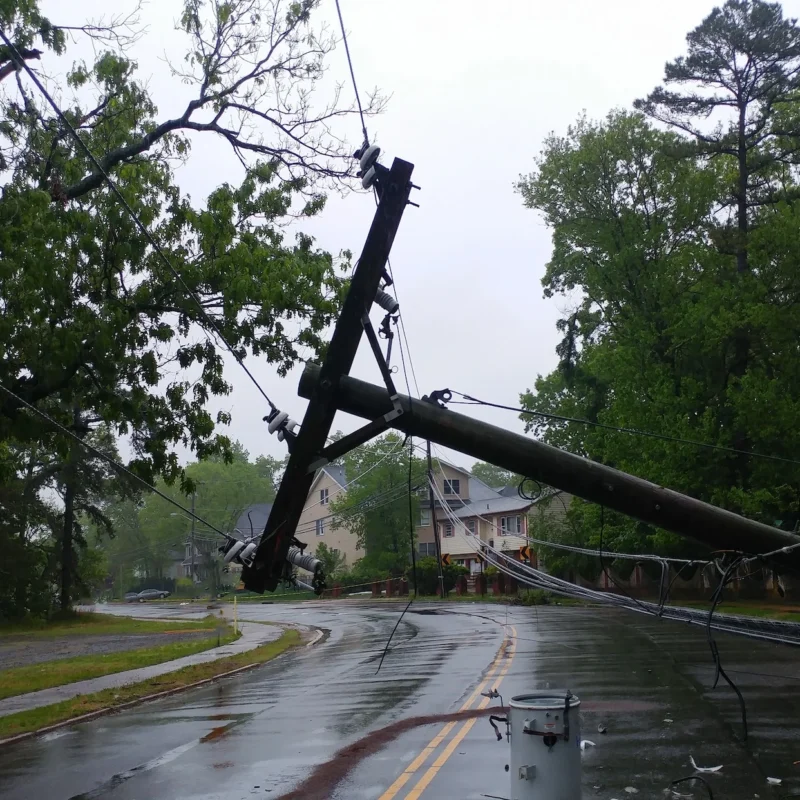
(153, 594)
(132, 597)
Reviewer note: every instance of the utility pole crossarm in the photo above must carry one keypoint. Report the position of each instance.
(715, 527)
(269, 562)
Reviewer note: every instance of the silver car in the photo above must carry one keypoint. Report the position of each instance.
(153, 594)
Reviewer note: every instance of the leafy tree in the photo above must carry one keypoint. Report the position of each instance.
(92, 314)
(333, 561)
(743, 67)
(93, 318)
(650, 341)
(428, 575)
(376, 507)
(493, 476)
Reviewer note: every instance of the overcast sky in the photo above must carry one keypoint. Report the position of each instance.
(475, 89)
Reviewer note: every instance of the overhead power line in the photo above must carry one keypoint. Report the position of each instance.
(133, 215)
(472, 401)
(352, 73)
(100, 454)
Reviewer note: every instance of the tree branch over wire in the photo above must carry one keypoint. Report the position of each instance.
(257, 66)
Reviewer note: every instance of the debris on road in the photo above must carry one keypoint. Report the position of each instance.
(586, 743)
(704, 769)
(602, 729)
(774, 781)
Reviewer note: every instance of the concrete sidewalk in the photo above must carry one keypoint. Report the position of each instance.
(253, 635)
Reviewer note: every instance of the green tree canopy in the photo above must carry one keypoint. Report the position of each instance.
(377, 505)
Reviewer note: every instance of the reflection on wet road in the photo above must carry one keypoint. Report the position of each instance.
(262, 733)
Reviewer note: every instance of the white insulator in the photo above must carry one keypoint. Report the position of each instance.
(369, 178)
(387, 302)
(236, 547)
(369, 157)
(248, 551)
(276, 423)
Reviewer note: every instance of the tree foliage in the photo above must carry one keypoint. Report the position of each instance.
(93, 317)
(667, 331)
(495, 477)
(376, 506)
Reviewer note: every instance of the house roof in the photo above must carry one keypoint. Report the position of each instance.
(256, 521)
(336, 472)
(496, 505)
(508, 491)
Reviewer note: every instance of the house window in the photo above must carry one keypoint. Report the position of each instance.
(452, 486)
(471, 525)
(448, 530)
(427, 548)
(320, 527)
(424, 517)
(510, 526)
(323, 497)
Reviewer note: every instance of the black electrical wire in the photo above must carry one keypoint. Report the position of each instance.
(471, 401)
(694, 778)
(115, 464)
(352, 74)
(133, 215)
(719, 670)
(603, 566)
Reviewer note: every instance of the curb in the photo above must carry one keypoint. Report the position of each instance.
(155, 696)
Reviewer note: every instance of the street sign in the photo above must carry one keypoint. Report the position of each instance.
(445, 559)
(525, 553)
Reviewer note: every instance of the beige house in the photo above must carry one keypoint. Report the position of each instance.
(498, 516)
(315, 521)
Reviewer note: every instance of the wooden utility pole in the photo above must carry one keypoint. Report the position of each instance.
(436, 539)
(269, 563)
(715, 527)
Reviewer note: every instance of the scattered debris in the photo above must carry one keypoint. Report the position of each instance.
(602, 729)
(774, 781)
(667, 719)
(586, 743)
(631, 790)
(704, 769)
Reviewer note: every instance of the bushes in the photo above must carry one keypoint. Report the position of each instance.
(428, 575)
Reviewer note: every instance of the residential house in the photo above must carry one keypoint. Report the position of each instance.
(315, 525)
(498, 517)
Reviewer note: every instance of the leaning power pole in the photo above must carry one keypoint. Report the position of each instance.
(307, 451)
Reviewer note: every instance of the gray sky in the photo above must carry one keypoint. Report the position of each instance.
(474, 93)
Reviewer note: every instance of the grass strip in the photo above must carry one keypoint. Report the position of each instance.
(46, 674)
(82, 622)
(109, 699)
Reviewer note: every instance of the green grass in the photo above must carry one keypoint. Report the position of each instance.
(26, 721)
(744, 608)
(45, 675)
(82, 623)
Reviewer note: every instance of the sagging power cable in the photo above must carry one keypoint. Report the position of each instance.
(112, 462)
(352, 74)
(22, 64)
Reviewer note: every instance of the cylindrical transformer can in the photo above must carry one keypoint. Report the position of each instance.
(545, 746)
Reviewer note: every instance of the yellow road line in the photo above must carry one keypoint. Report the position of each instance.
(404, 777)
(433, 770)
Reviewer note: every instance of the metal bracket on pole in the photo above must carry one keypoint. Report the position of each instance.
(384, 368)
(269, 563)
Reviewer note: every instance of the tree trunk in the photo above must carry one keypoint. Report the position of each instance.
(66, 542)
(67, 536)
(741, 197)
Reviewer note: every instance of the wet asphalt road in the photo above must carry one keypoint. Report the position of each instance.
(260, 734)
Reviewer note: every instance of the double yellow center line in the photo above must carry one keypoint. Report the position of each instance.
(502, 662)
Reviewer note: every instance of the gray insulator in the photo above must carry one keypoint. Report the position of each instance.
(387, 302)
(236, 548)
(306, 562)
(248, 551)
(370, 157)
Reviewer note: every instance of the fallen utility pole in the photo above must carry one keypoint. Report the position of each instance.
(712, 526)
(269, 565)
